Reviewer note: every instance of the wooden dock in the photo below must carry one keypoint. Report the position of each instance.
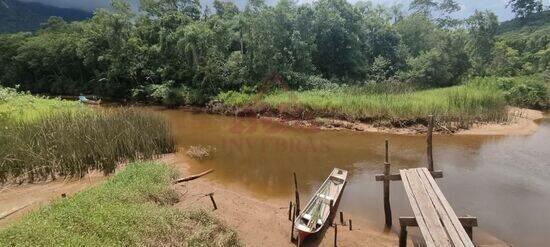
(433, 214)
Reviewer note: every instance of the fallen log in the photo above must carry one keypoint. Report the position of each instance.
(193, 177)
(13, 211)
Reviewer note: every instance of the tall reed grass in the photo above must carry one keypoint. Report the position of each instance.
(459, 103)
(72, 143)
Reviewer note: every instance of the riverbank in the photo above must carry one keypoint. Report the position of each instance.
(257, 222)
(131, 208)
(265, 222)
(518, 121)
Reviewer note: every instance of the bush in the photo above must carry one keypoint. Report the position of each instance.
(533, 95)
(234, 99)
(523, 91)
(300, 81)
(169, 95)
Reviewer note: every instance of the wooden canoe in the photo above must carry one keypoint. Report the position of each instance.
(317, 212)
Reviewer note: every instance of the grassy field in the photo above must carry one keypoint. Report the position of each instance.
(21, 107)
(478, 99)
(459, 102)
(130, 209)
(59, 138)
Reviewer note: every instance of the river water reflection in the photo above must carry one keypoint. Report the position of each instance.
(504, 181)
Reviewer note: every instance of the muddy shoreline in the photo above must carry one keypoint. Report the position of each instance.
(521, 121)
(258, 222)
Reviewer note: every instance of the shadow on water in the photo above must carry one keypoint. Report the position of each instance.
(504, 181)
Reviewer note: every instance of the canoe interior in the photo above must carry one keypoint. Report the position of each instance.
(317, 211)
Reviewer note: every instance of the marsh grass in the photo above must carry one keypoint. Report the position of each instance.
(72, 143)
(464, 104)
(23, 107)
(130, 209)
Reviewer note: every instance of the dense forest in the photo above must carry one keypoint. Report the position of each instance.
(177, 50)
(16, 16)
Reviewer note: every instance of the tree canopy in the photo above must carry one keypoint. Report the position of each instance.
(178, 44)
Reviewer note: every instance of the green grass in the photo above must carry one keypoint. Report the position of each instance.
(54, 138)
(130, 209)
(453, 103)
(22, 107)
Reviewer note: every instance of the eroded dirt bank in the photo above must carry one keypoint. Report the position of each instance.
(521, 121)
(18, 200)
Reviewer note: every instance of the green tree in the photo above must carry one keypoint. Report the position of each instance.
(523, 8)
(482, 28)
(337, 29)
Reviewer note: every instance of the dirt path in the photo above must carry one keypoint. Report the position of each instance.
(18, 200)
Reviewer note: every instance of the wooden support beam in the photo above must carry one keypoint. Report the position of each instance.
(429, 142)
(292, 226)
(290, 211)
(211, 195)
(403, 236)
(335, 235)
(297, 206)
(397, 177)
(387, 206)
(466, 221)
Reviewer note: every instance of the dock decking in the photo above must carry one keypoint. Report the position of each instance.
(434, 216)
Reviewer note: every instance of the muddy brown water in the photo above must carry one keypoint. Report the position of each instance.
(503, 180)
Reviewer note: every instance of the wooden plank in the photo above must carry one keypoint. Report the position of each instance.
(416, 210)
(428, 211)
(466, 221)
(443, 216)
(449, 210)
(397, 177)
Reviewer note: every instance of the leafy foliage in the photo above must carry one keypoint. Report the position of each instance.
(172, 53)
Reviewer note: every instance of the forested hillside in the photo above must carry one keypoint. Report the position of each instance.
(176, 53)
(16, 16)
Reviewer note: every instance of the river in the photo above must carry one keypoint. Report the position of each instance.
(503, 180)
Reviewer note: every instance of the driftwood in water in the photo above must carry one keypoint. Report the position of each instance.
(193, 177)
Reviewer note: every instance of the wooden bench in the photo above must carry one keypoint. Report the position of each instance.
(433, 214)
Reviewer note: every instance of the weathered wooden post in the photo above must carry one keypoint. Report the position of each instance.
(387, 206)
(212, 199)
(331, 208)
(403, 236)
(341, 218)
(429, 142)
(335, 234)
(290, 210)
(292, 226)
(297, 206)
(350, 228)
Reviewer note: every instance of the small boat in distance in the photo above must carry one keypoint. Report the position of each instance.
(318, 210)
(85, 100)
